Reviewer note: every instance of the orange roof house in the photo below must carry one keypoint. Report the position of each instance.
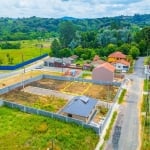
(113, 57)
(103, 72)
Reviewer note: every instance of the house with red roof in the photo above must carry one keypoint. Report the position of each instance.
(121, 65)
(113, 57)
(103, 72)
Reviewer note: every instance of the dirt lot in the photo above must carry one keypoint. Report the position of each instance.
(20, 77)
(102, 92)
(51, 103)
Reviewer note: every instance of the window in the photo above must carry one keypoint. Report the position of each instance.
(69, 115)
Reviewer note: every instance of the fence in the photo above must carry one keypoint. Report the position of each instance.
(22, 64)
(57, 116)
(81, 80)
(47, 114)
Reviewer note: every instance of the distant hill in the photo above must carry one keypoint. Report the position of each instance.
(35, 27)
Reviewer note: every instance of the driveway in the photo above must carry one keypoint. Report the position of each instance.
(125, 134)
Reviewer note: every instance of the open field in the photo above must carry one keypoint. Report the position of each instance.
(21, 131)
(29, 49)
(51, 103)
(102, 92)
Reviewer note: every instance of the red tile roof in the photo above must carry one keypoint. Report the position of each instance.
(122, 61)
(117, 55)
(108, 66)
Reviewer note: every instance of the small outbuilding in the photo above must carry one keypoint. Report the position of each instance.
(103, 72)
(81, 108)
(57, 62)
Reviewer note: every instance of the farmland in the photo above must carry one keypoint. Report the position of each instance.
(29, 49)
(21, 131)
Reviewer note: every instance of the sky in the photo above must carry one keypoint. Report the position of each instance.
(72, 8)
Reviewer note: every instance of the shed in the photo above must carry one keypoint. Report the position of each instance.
(80, 107)
(103, 72)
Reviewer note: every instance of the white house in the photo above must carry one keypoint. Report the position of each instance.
(121, 65)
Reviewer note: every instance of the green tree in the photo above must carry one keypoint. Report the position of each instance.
(125, 48)
(64, 52)
(134, 52)
(55, 48)
(143, 47)
(67, 32)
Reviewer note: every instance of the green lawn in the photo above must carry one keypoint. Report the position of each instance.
(22, 131)
(29, 49)
(146, 85)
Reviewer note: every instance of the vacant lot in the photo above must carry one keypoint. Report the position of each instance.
(29, 49)
(24, 76)
(102, 92)
(51, 103)
(21, 131)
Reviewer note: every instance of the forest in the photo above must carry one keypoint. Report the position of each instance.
(82, 37)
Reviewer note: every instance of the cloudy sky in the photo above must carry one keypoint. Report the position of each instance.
(72, 8)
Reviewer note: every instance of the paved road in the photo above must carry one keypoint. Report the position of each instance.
(126, 131)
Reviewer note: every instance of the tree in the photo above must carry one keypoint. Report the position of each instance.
(64, 52)
(143, 47)
(125, 48)
(55, 47)
(134, 52)
(67, 33)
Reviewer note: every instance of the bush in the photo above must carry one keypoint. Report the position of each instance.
(8, 45)
(121, 98)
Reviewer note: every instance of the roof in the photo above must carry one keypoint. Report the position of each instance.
(98, 62)
(106, 65)
(117, 55)
(81, 106)
(96, 57)
(74, 56)
(122, 61)
(58, 60)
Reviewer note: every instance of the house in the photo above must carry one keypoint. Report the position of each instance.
(57, 62)
(81, 108)
(103, 72)
(113, 57)
(121, 65)
(87, 67)
(96, 62)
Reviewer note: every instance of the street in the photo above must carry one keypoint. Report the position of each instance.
(125, 134)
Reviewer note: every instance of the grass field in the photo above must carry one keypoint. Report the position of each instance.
(21, 131)
(29, 50)
(101, 92)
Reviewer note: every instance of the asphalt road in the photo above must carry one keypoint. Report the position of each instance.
(125, 134)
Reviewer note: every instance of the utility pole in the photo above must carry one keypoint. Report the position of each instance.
(23, 71)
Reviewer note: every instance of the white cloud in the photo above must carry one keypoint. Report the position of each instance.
(74, 8)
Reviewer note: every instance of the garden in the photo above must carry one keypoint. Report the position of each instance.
(22, 131)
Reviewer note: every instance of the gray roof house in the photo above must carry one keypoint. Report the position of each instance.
(80, 107)
(57, 62)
